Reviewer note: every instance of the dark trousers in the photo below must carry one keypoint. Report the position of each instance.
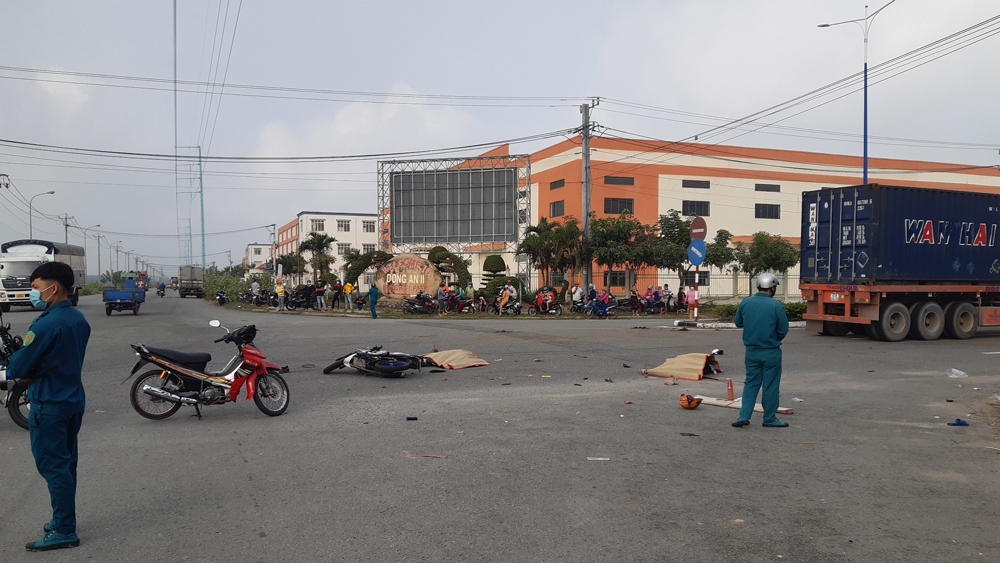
(54, 446)
(372, 307)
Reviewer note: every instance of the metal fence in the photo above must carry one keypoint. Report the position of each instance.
(715, 287)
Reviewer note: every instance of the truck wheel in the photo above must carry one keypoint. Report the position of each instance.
(5, 307)
(74, 299)
(107, 310)
(894, 323)
(832, 328)
(960, 320)
(874, 331)
(928, 321)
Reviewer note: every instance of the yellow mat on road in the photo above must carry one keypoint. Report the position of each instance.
(456, 359)
(685, 366)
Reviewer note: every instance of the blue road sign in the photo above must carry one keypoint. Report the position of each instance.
(696, 252)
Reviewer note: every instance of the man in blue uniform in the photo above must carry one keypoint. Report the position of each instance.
(372, 300)
(764, 325)
(52, 362)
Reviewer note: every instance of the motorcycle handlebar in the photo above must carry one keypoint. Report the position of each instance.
(220, 339)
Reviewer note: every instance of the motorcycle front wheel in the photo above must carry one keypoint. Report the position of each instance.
(18, 406)
(271, 394)
(154, 408)
(334, 366)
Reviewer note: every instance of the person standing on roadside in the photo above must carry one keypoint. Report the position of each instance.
(764, 325)
(255, 288)
(348, 295)
(51, 361)
(442, 299)
(373, 294)
(279, 289)
(321, 295)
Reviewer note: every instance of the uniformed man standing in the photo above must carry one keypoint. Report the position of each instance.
(52, 362)
(764, 325)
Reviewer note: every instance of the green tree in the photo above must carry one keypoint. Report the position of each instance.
(356, 263)
(767, 253)
(494, 264)
(290, 264)
(113, 279)
(318, 246)
(675, 236)
(567, 247)
(538, 246)
(624, 241)
(448, 262)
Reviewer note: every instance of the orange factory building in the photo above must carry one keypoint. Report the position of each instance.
(743, 190)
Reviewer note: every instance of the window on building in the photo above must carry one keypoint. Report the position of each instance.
(369, 279)
(616, 205)
(696, 184)
(767, 211)
(369, 226)
(619, 181)
(557, 184)
(695, 208)
(767, 187)
(614, 278)
(556, 209)
(343, 225)
(256, 252)
(343, 247)
(704, 279)
(317, 225)
(367, 247)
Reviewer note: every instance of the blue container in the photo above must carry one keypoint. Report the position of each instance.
(890, 234)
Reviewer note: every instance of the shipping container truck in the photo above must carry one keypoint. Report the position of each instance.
(894, 262)
(19, 258)
(191, 281)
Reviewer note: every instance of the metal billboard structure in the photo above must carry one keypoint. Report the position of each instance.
(468, 205)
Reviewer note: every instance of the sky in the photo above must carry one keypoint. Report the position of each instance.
(399, 76)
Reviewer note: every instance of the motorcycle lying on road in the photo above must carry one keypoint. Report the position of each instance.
(376, 361)
(14, 393)
(180, 378)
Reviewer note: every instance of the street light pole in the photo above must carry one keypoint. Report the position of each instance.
(31, 230)
(98, 248)
(866, 25)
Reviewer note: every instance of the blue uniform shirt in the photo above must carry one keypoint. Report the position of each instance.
(53, 356)
(763, 321)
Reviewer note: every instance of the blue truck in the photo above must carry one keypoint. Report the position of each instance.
(128, 299)
(895, 262)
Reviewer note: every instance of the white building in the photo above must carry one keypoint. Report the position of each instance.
(351, 230)
(257, 255)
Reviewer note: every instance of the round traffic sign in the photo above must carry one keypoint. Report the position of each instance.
(698, 228)
(696, 252)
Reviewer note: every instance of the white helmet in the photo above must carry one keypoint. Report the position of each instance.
(766, 281)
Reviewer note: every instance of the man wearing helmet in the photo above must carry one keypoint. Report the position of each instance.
(764, 325)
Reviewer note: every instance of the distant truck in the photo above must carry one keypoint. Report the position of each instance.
(19, 258)
(191, 281)
(895, 262)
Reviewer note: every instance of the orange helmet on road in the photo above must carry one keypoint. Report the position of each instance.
(689, 402)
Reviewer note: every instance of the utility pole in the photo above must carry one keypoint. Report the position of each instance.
(201, 195)
(585, 186)
(98, 257)
(65, 219)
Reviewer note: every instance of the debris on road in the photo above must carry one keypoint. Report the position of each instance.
(624, 365)
(670, 381)
(609, 380)
(537, 360)
(628, 402)
(424, 456)
(598, 459)
(308, 366)
(949, 400)
(411, 418)
(687, 434)
(505, 384)
(798, 400)
(578, 384)
(958, 422)
(957, 374)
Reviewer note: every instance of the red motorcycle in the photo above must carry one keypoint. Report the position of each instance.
(457, 305)
(181, 379)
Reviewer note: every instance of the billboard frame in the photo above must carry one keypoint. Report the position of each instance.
(522, 201)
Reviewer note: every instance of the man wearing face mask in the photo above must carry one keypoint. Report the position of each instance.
(52, 362)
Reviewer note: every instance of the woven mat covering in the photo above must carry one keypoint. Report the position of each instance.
(456, 359)
(685, 366)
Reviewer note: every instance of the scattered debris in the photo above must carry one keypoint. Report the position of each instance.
(957, 374)
(871, 371)
(411, 418)
(579, 356)
(499, 331)
(670, 381)
(537, 360)
(505, 384)
(624, 365)
(628, 402)
(937, 417)
(460, 432)
(641, 327)
(949, 400)
(425, 456)
(578, 384)
(736, 521)
(437, 371)
(738, 403)
(687, 434)
(958, 422)
(621, 416)
(531, 375)
(547, 377)
(808, 443)
(308, 365)
(798, 400)
(609, 380)
(598, 459)
(992, 448)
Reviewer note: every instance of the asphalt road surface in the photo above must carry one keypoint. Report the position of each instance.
(868, 470)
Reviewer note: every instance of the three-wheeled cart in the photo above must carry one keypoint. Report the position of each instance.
(128, 299)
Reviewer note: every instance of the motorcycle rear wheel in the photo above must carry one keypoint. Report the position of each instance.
(391, 368)
(334, 366)
(18, 406)
(149, 406)
(271, 394)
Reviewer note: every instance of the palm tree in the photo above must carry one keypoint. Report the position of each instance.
(538, 245)
(568, 246)
(318, 246)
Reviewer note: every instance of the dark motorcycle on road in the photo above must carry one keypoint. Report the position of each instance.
(300, 299)
(421, 304)
(221, 297)
(180, 378)
(376, 361)
(160, 292)
(591, 311)
(13, 393)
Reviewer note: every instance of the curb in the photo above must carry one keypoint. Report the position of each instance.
(692, 324)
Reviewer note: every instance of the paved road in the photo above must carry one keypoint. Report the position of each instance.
(866, 472)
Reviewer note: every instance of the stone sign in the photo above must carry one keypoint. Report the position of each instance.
(405, 275)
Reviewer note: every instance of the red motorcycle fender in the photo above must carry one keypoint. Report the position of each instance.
(234, 391)
(268, 366)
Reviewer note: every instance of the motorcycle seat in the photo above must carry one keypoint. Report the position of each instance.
(187, 359)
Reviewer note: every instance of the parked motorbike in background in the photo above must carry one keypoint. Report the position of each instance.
(221, 297)
(554, 309)
(376, 361)
(179, 378)
(512, 307)
(13, 393)
(590, 310)
(422, 304)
